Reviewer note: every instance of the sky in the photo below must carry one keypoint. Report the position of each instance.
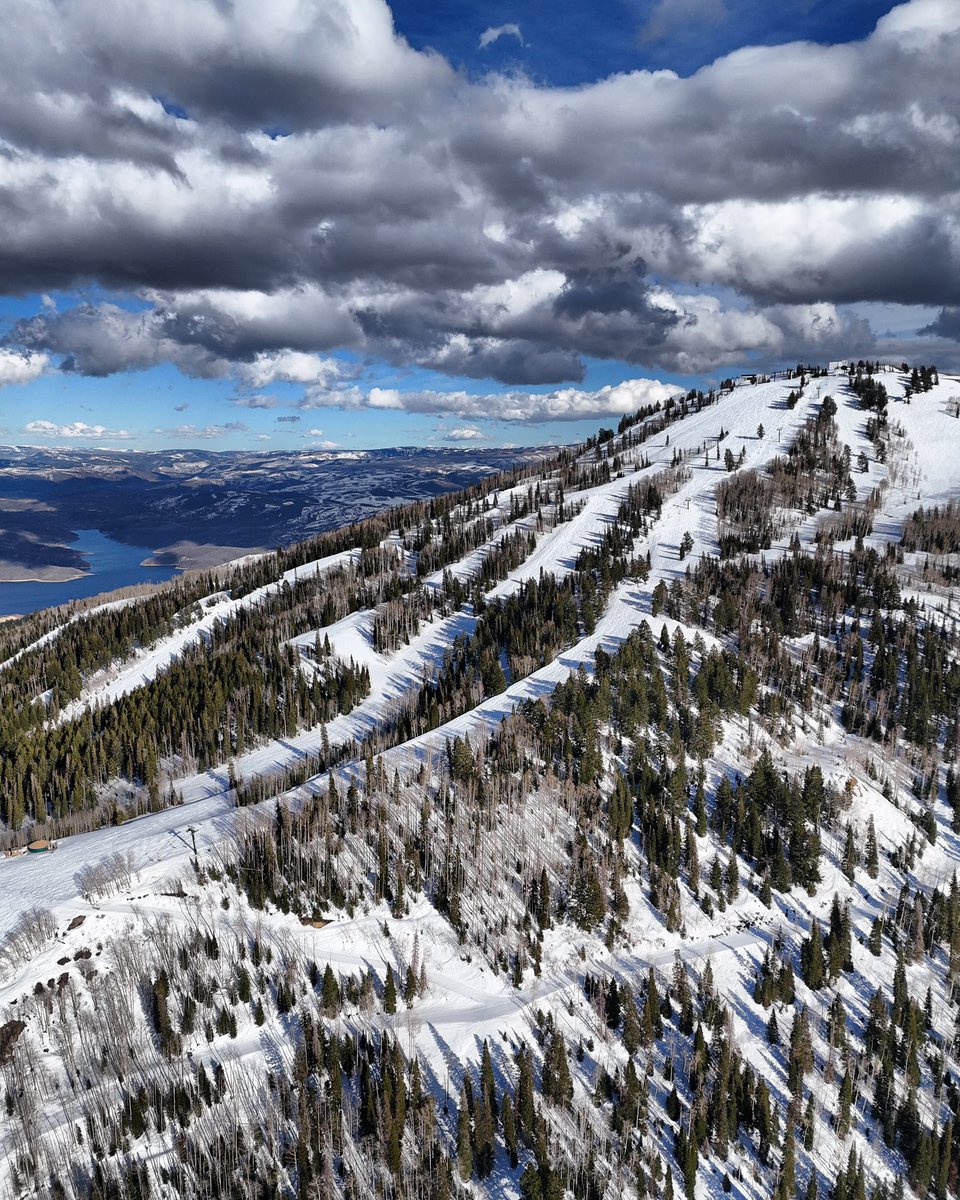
(340, 223)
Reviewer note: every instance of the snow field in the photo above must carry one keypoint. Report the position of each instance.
(466, 1000)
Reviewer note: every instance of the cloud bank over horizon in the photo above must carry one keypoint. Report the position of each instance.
(280, 203)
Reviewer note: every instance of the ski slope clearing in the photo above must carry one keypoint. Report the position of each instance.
(53, 634)
(146, 664)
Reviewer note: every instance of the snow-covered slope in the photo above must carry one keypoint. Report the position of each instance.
(481, 974)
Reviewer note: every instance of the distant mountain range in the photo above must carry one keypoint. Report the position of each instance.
(198, 507)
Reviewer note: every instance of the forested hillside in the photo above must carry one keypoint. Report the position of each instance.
(590, 833)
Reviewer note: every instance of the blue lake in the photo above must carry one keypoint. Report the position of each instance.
(112, 565)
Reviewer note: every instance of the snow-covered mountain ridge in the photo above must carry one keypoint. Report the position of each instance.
(593, 832)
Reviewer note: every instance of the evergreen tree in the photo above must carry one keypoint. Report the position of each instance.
(849, 862)
(944, 1160)
(692, 856)
(557, 1086)
(530, 1186)
(484, 1136)
(464, 1136)
(812, 963)
(167, 1036)
(543, 902)
(652, 1022)
(587, 901)
(390, 992)
(509, 1129)
(487, 1081)
(690, 1163)
(525, 1113)
(632, 1033)
(842, 1122)
(787, 1179)
(871, 853)
(700, 809)
(800, 1059)
(612, 1006)
(410, 986)
(839, 941)
(732, 875)
(330, 994)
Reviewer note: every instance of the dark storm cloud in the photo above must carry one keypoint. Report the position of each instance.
(102, 339)
(199, 337)
(537, 339)
(482, 228)
(945, 325)
(604, 291)
(508, 360)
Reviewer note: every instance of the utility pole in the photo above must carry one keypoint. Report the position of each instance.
(193, 838)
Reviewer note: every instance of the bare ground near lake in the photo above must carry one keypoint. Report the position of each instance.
(15, 572)
(192, 556)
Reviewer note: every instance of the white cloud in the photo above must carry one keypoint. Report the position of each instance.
(564, 404)
(467, 433)
(76, 429)
(922, 17)
(348, 396)
(316, 61)
(384, 398)
(774, 247)
(17, 367)
(204, 433)
(493, 33)
(287, 366)
(324, 444)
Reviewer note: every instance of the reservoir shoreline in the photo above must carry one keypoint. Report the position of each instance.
(113, 565)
